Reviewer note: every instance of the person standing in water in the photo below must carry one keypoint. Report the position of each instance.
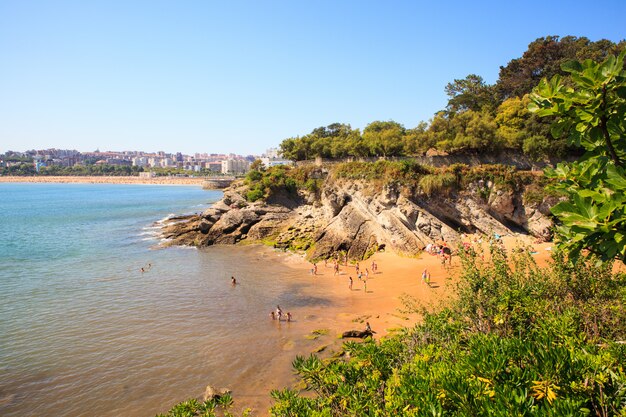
(233, 281)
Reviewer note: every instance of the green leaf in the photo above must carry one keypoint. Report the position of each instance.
(571, 66)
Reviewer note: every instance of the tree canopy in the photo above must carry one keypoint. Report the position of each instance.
(478, 117)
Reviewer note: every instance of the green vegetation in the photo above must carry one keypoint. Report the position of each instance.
(430, 180)
(210, 408)
(28, 169)
(264, 183)
(518, 340)
(478, 118)
(590, 113)
(408, 175)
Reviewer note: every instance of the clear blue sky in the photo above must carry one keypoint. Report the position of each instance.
(240, 76)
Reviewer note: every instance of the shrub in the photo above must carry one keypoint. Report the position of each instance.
(518, 340)
(254, 195)
(437, 183)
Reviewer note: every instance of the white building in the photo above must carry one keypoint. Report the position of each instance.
(235, 166)
(272, 153)
(140, 161)
(272, 162)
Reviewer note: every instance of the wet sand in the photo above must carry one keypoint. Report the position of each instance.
(106, 180)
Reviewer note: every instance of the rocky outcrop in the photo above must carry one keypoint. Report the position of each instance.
(358, 218)
(212, 393)
(360, 334)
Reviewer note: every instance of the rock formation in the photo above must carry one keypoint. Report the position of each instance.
(360, 218)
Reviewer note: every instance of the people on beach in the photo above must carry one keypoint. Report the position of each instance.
(350, 283)
(367, 273)
(368, 328)
(288, 316)
(365, 286)
(233, 281)
(272, 315)
(142, 270)
(426, 276)
(279, 313)
(357, 267)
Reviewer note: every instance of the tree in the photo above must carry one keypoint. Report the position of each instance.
(470, 93)
(384, 138)
(592, 114)
(257, 165)
(543, 59)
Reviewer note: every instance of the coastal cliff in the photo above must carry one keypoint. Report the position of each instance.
(396, 208)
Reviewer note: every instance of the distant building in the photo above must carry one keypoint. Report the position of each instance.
(272, 162)
(273, 153)
(140, 161)
(213, 166)
(235, 166)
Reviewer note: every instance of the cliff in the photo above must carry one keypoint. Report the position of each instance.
(360, 216)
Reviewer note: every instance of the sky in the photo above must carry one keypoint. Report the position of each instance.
(241, 76)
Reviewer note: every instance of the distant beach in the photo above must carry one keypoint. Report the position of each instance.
(106, 180)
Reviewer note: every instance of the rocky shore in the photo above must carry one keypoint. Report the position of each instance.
(360, 218)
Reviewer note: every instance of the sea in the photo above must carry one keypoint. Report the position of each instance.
(84, 332)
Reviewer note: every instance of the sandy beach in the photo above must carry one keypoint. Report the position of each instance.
(396, 279)
(106, 180)
(381, 305)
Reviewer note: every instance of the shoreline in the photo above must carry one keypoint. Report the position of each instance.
(198, 181)
(398, 278)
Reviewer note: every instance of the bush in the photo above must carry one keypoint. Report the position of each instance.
(437, 183)
(518, 340)
(254, 195)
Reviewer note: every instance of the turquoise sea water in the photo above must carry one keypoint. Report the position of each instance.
(84, 332)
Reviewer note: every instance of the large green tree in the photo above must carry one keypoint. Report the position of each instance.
(543, 59)
(591, 114)
(384, 138)
(470, 93)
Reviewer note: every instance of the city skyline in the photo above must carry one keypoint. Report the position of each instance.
(242, 77)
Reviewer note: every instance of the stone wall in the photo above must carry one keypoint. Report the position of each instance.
(517, 160)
